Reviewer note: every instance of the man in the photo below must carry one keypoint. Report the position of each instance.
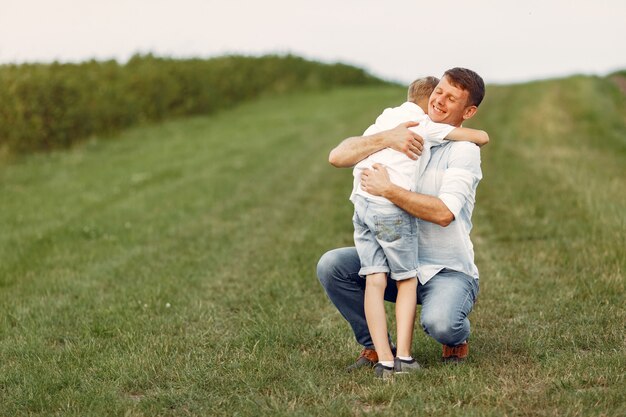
(442, 203)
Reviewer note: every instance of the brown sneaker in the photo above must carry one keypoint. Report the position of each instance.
(455, 353)
(368, 357)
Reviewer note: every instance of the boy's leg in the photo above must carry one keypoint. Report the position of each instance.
(374, 268)
(396, 233)
(405, 315)
(375, 313)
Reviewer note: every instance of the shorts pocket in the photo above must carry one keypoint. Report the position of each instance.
(390, 228)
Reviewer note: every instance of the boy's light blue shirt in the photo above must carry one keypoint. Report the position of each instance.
(452, 174)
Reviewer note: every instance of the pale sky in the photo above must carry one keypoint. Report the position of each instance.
(503, 40)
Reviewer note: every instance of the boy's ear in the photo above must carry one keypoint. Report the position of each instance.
(469, 112)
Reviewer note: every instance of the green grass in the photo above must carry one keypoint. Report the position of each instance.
(172, 271)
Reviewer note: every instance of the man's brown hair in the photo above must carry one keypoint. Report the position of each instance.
(468, 80)
(420, 88)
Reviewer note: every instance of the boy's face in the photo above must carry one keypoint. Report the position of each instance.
(448, 104)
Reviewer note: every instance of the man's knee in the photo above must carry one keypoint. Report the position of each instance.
(446, 330)
(327, 267)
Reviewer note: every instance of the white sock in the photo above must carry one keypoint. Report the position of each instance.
(388, 364)
(406, 358)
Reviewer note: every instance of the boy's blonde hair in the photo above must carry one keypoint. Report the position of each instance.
(420, 88)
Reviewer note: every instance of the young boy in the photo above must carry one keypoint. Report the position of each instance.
(385, 236)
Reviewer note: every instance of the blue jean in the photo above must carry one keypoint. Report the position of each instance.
(446, 299)
(385, 237)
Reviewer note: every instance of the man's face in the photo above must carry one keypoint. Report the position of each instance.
(448, 104)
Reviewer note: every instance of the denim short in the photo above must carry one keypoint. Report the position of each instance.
(385, 237)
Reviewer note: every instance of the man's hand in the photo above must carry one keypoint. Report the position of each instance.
(376, 180)
(401, 139)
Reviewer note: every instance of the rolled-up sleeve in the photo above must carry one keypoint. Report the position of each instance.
(461, 177)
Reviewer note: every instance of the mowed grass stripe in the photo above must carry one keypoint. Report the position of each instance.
(225, 217)
(194, 213)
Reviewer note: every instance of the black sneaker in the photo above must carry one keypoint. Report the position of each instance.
(401, 366)
(382, 371)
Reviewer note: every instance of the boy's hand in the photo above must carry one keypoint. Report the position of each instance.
(401, 139)
(376, 180)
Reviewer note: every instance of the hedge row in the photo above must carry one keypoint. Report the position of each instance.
(45, 106)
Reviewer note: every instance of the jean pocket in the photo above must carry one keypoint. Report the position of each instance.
(390, 228)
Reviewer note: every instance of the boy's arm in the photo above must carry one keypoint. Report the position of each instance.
(479, 137)
(437, 132)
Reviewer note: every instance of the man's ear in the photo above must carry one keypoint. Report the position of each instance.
(469, 112)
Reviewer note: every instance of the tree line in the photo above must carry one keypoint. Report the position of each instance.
(50, 106)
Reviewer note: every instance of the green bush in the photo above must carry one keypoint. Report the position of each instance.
(47, 106)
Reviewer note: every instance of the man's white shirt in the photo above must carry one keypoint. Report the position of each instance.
(452, 175)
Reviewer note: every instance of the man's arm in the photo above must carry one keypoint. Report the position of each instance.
(422, 206)
(479, 137)
(458, 184)
(354, 149)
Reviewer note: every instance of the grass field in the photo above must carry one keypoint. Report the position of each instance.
(171, 271)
